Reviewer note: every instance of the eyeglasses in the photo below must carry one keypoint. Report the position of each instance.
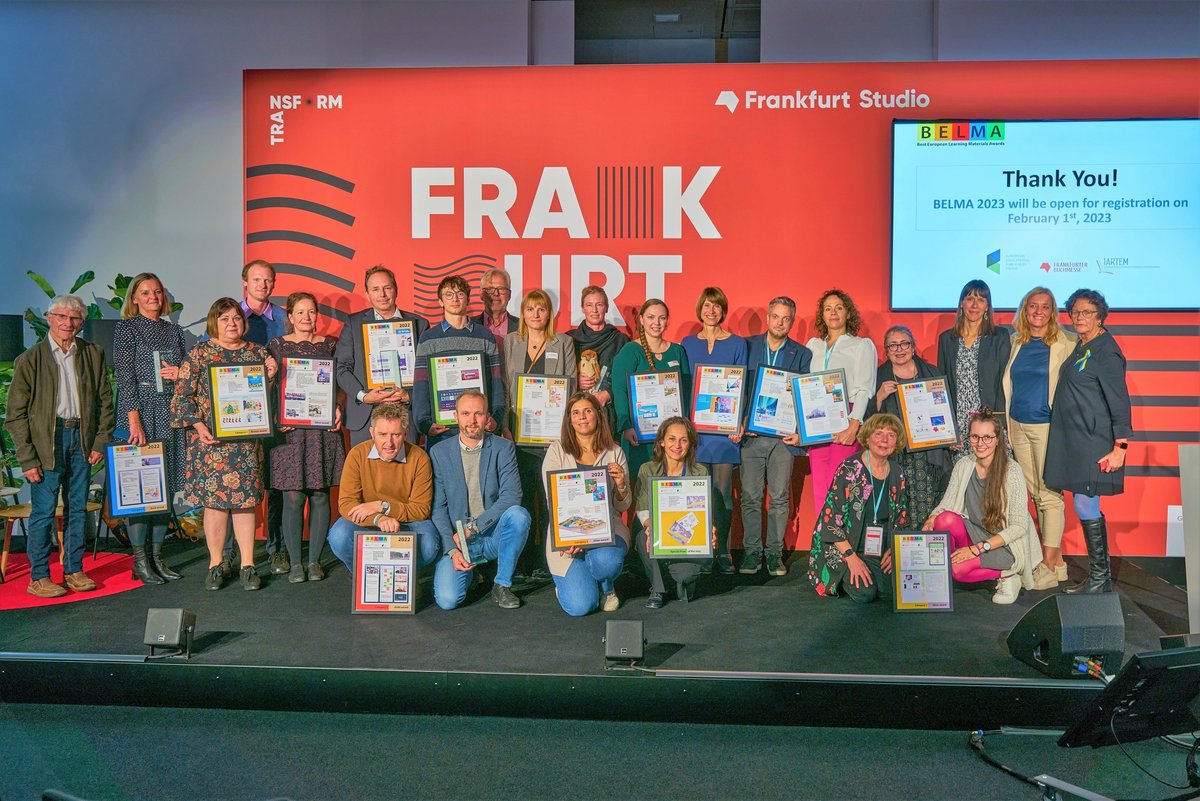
(894, 346)
(497, 290)
(454, 293)
(72, 318)
(1083, 312)
(982, 439)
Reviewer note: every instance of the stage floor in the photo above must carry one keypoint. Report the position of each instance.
(739, 623)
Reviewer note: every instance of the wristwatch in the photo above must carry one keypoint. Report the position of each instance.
(987, 546)
(846, 554)
(385, 507)
(1122, 445)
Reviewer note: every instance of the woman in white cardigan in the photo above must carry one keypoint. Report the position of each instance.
(986, 510)
(584, 578)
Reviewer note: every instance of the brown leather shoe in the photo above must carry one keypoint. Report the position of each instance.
(80, 582)
(45, 588)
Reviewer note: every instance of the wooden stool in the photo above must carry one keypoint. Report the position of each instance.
(20, 513)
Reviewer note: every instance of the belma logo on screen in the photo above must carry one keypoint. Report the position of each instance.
(960, 131)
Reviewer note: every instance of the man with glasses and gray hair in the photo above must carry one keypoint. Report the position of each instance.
(60, 416)
(496, 288)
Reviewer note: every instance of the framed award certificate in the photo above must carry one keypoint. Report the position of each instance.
(653, 398)
(580, 514)
(821, 406)
(681, 517)
(717, 393)
(451, 376)
(390, 353)
(385, 573)
(927, 412)
(137, 479)
(307, 393)
(772, 405)
(240, 408)
(921, 572)
(539, 403)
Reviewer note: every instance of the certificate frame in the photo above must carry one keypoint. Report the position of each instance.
(758, 419)
(296, 396)
(385, 573)
(443, 398)
(222, 423)
(928, 413)
(921, 577)
(383, 367)
(724, 412)
(558, 389)
(590, 520)
(810, 417)
(647, 417)
(147, 464)
(694, 495)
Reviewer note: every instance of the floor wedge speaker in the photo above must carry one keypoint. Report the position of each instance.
(1063, 627)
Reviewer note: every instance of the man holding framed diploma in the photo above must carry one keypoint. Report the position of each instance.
(390, 353)
(821, 406)
(451, 376)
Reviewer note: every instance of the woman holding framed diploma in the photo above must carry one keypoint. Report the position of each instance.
(719, 452)
(674, 454)
(147, 350)
(650, 352)
(986, 511)
(1039, 347)
(839, 346)
(583, 579)
(306, 462)
(928, 470)
(866, 503)
(972, 355)
(226, 478)
(534, 348)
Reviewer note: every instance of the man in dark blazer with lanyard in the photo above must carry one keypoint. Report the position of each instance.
(380, 283)
(766, 461)
(476, 485)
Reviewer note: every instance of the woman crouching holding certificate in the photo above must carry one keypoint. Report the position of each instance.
(986, 511)
(867, 500)
(584, 578)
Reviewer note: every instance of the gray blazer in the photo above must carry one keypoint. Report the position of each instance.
(351, 372)
(559, 358)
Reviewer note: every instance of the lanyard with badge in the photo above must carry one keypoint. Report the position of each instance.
(874, 541)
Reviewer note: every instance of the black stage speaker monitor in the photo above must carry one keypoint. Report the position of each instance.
(623, 640)
(169, 628)
(1063, 627)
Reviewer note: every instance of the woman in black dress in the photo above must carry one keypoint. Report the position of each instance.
(145, 409)
(1090, 425)
(308, 461)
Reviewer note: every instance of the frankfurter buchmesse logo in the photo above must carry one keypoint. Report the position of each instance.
(727, 99)
(960, 131)
(993, 261)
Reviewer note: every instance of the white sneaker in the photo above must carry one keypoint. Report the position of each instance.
(1007, 589)
(1044, 578)
(610, 602)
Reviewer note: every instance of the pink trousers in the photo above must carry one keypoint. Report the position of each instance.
(969, 571)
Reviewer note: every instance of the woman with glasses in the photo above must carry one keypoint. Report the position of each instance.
(928, 470)
(972, 356)
(985, 509)
(1090, 426)
(147, 350)
(1039, 346)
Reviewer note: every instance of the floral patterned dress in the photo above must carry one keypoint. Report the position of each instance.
(306, 458)
(844, 514)
(227, 475)
(967, 401)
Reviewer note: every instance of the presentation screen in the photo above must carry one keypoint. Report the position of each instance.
(1111, 205)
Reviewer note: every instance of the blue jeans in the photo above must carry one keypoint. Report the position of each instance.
(503, 542)
(72, 474)
(341, 540)
(597, 566)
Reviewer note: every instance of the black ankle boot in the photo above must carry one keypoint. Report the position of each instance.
(1095, 536)
(156, 562)
(142, 569)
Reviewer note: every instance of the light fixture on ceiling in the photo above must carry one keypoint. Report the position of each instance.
(666, 17)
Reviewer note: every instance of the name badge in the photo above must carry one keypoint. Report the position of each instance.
(874, 544)
(551, 355)
(672, 364)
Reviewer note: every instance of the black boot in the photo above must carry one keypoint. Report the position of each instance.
(156, 562)
(142, 569)
(1099, 579)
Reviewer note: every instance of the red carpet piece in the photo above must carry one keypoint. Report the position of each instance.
(110, 571)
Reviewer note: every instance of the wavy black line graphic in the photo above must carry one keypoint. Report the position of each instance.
(303, 238)
(300, 172)
(451, 267)
(315, 274)
(302, 205)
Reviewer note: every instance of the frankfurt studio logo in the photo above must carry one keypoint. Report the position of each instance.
(727, 99)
